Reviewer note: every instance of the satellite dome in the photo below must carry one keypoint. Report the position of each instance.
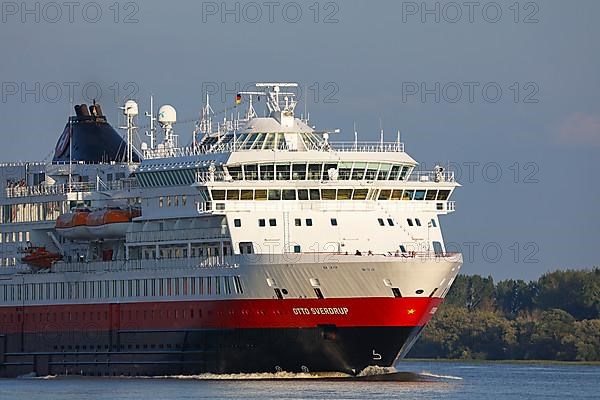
(131, 108)
(167, 115)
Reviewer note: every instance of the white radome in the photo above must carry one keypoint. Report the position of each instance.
(167, 115)
(131, 108)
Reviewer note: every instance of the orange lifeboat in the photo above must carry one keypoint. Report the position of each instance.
(110, 223)
(40, 257)
(72, 225)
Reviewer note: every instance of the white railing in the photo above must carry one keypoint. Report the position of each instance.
(48, 190)
(175, 235)
(368, 147)
(430, 176)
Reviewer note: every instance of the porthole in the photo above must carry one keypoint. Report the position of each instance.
(419, 291)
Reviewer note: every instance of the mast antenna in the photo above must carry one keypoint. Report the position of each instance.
(152, 132)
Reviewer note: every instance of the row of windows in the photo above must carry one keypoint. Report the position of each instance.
(14, 237)
(168, 201)
(31, 212)
(331, 194)
(175, 177)
(262, 222)
(123, 288)
(320, 171)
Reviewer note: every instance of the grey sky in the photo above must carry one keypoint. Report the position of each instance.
(542, 133)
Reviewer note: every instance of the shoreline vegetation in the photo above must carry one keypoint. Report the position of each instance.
(555, 319)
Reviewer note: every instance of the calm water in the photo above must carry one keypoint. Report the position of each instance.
(444, 381)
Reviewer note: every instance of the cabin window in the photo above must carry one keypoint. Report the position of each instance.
(315, 194)
(344, 194)
(380, 220)
(246, 195)
(289, 194)
(309, 222)
(302, 194)
(160, 201)
(274, 194)
(261, 222)
(272, 222)
(328, 194)
(418, 221)
(433, 223)
(237, 222)
(298, 222)
(360, 194)
(437, 247)
(402, 248)
(390, 222)
(260, 194)
(409, 221)
(333, 221)
(297, 248)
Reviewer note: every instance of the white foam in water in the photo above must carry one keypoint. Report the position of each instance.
(430, 375)
(377, 370)
(260, 376)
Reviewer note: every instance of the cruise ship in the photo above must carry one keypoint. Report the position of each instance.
(263, 246)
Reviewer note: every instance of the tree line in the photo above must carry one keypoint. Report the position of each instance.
(556, 317)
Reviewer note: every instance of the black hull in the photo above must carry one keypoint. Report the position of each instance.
(190, 352)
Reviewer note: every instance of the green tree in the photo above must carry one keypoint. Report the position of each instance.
(587, 333)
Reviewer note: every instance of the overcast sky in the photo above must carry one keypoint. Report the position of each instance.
(506, 92)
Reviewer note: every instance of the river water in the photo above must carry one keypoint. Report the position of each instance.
(425, 380)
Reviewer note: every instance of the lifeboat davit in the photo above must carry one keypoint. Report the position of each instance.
(72, 225)
(39, 257)
(111, 223)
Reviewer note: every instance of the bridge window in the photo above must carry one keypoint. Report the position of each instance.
(233, 194)
(384, 170)
(384, 194)
(358, 172)
(267, 172)
(218, 195)
(395, 172)
(283, 172)
(443, 194)
(404, 172)
(315, 194)
(299, 172)
(419, 195)
(431, 195)
(314, 171)
(236, 173)
(371, 172)
(344, 171)
(251, 172)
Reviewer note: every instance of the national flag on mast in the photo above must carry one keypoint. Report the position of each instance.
(238, 99)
